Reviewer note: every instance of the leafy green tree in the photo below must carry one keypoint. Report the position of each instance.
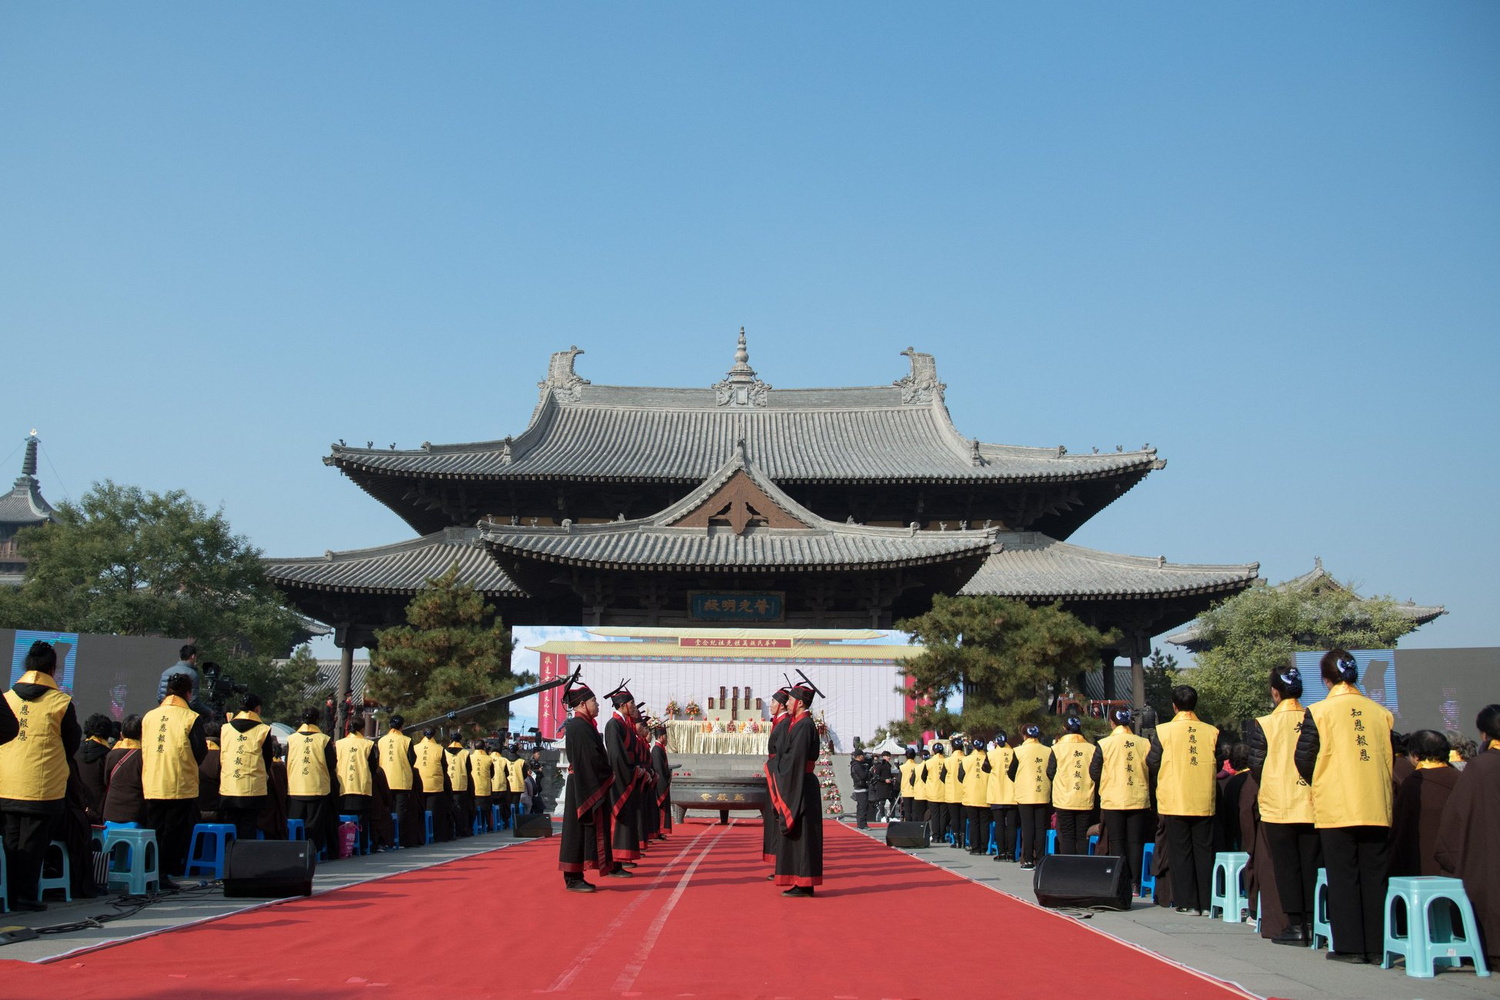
(1161, 677)
(1260, 628)
(454, 653)
(127, 561)
(292, 683)
(1007, 658)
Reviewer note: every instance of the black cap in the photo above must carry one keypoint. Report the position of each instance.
(911, 751)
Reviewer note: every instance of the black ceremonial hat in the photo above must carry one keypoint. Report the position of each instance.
(804, 689)
(575, 692)
(621, 695)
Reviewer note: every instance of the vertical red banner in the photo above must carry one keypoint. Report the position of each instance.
(550, 710)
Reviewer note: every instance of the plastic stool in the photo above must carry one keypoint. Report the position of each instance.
(396, 830)
(1148, 880)
(360, 846)
(132, 860)
(1051, 841)
(209, 845)
(494, 818)
(427, 817)
(1093, 843)
(1017, 853)
(991, 848)
(4, 884)
(296, 829)
(1321, 928)
(1227, 895)
(63, 881)
(1430, 940)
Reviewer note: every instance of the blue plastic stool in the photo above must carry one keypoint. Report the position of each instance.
(1321, 928)
(132, 860)
(1017, 853)
(494, 818)
(1227, 895)
(396, 830)
(1093, 843)
(1051, 841)
(209, 845)
(4, 884)
(992, 848)
(1148, 880)
(1431, 939)
(427, 816)
(296, 829)
(63, 881)
(361, 846)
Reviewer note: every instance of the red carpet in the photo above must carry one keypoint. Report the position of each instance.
(698, 920)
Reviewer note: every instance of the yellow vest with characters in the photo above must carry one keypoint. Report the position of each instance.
(499, 772)
(33, 766)
(1123, 783)
(953, 790)
(517, 769)
(458, 770)
(242, 764)
(307, 763)
(481, 767)
(168, 769)
(1000, 790)
(353, 756)
(930, 787)
(394, 760)
(1033, 787)
(1352, 779)
(1072, 786)
(975, 780)
(1285, 796)
(1185, 778)
(430, 764)
(909, 768)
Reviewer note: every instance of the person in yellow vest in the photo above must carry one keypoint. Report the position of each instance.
(906, 787)
(431, 772)
(934, 773)
(173, 745)
(356, 759)
(1350, 743)
(1119, 772)
(518, 769)
(1028, 773)
(1182, 759)
(461, 789)
(953, 793)
(1285, 801)
(34, 770)
(500, 783)
(311, 763)
(1000, 795)
(1073, 787)
(976, 809)
(481, 770)
(246, 756)
(396, 758)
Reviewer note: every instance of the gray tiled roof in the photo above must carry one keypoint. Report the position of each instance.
(1032, 566)
(654, 542)
(889, 433)
(24, 504)
(402, 568)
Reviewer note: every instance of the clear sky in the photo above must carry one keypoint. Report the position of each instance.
(1263, 237)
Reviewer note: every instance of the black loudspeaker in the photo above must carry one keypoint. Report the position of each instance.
(269, 869)
(908, 835)
(1082, 880)
(531, 825)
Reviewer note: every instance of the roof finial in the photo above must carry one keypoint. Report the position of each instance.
(28, 464)
(740, 387)
(741, 356)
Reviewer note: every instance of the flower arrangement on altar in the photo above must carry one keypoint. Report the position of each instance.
(718, 726)
(822, 723)
(672, 709)
(692, 709)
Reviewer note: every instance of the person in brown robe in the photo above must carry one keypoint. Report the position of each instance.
(1468, 845)
(1417, 814)
(1260, 873)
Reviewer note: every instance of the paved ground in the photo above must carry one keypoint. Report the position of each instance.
(1232, 952)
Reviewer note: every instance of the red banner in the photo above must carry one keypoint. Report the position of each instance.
(550, 715)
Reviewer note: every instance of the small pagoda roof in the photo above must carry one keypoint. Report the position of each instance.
(1034, 567)
(24, 504)
(402, 568)
(1317, 580)
(781, 535)
(582, 432)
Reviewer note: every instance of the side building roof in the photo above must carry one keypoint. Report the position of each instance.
(1034, 567)
(402, 568)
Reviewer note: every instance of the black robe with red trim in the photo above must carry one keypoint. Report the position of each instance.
(799, 806)
(625, 793)
(586, 818)
(772, 832)
(662, 768)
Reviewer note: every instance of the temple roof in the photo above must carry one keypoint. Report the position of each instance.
(1032, 566)
(687, 536)
(402, 568)
(895, 433)
(24, 504)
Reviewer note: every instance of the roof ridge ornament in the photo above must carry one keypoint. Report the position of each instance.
(740, 387)
(561, 378)
(921, 384)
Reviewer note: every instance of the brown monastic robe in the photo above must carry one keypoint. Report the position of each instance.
(1260, 874)
(1468, 845)
(1416, 819)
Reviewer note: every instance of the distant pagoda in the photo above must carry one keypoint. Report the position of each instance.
(23, 507)
(745, 505)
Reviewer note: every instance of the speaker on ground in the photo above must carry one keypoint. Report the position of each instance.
(1082, 880)
(269, 869)
(532, 825)
(905, 834)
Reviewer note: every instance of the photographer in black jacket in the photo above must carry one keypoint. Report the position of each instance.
(859, 776)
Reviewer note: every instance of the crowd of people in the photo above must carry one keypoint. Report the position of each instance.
(181, 764)
(1328, 786)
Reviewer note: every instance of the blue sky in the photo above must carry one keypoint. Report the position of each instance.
(1264, 238)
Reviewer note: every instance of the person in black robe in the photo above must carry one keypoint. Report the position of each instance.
(648, 816)
(1417, 814)
(585, 841)
(662, 768)
(1468, 844)
(799, 804)
(625, 792)
(771, 832)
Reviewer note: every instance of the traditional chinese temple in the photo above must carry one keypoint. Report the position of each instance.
(742, 504)
(23, 507)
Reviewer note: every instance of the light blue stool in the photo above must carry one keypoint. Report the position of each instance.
(132, 860)
(1148, 880)
(1051, 841)
(209, 845)
(1227, 895)
(296, 829)
(63, 881)
(1093, 843)
(1017, 853)
(427, 817)
(1431, 939)
(992, 847)
(1321, 928)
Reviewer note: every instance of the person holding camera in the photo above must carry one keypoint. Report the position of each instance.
(187, 663)
(859, 777)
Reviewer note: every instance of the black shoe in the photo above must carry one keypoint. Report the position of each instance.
(1350, 957)
(1190, 909)
(167, 885)
(798, 890)
(771, 878)
(620, 873)
(999, 857)
(1027, 866)
(629, 864)
(1295, 934)
(581, 886)
(30, 905)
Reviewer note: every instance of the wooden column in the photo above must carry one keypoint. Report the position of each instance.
(1137, 652)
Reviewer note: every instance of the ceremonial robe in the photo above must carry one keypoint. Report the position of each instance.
(663, 770)
(625, 791)
(585, 841)
(771, 831)
(1468, 845)
(799, 807)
